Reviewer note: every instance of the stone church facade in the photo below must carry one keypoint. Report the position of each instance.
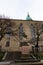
(22, 31)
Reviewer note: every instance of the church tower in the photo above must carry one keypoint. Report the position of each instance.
(28, 17)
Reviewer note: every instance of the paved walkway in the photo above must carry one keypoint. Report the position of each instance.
(5, 63)
(28, 63)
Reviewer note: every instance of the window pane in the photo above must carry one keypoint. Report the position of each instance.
(7, 43)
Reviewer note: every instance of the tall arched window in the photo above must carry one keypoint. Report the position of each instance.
(32, 30)
(21, 31)
(8, 34)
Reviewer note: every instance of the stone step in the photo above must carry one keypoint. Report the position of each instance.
(26, 58)
(19, 61)
(10, 56)
(30, 56)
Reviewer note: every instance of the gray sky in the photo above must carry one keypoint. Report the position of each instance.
(18, 9)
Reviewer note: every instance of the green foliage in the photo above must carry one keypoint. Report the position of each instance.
(38, 55)
(1, 55)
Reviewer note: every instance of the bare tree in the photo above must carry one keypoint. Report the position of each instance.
(38, 31)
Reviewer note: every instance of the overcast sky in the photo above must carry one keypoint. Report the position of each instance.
(18, 9)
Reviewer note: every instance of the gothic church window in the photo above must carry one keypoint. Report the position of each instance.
(21, 31)
(32, 30)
